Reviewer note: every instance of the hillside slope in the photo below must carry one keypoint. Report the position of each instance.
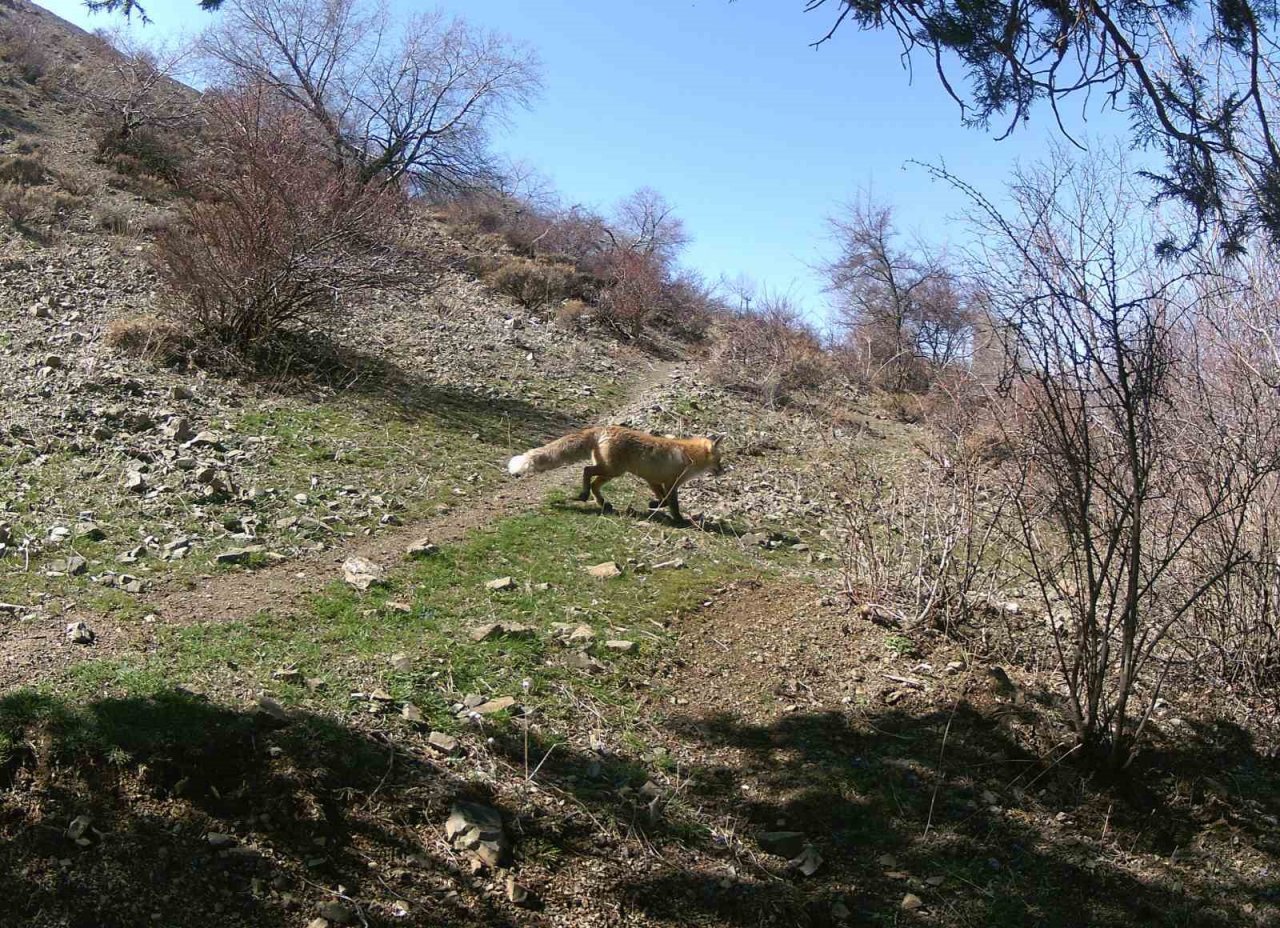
(201, 721)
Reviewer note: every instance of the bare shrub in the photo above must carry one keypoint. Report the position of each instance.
(24, 207)
(570, 314)
(138, 86)
(142, 154)
(113, 219)
(278, 234)
(150, 338)
(21, 46)
(925, 551)
(78, 183)
(769, 352)
(23, 170)
(1135, 459)
(63, 207)
(534, 283)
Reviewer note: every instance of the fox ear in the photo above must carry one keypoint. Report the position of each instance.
(715, 440)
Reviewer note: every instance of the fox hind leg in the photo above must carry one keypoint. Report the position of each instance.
(587, 474)
(598, 481)
(660, 496)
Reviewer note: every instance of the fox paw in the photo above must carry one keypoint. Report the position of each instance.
(606, 508)
(655, 504)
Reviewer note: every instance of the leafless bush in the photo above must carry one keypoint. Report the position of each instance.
(769, 351)
(22, 170)
(149, 338)
(1134, 459)
(278, 234)
(926, 550)
(139, 100)
(113, 219)
(21, 46)
(535, 284)
(78, 183)
(903, 313)
(24, 207)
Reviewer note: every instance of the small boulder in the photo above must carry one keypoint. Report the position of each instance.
(501, 630)
(445, 744)
(605, 571)
(495, 705)
(238, 555)
(788, 844)
(423, 547)
(362, 573)
(477, 830)
(337, 913)
(501, 583)
(80, 633)
(620, 645)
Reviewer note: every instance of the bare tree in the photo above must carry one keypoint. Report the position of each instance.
(140, 87)
(413, 103)
(1133, 456)
(902, 310)
(646, 224)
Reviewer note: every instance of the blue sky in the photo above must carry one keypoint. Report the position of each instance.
(726, 109)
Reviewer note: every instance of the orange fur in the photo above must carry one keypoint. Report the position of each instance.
(665, 464)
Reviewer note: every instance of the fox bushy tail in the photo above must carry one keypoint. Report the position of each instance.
(576, 446)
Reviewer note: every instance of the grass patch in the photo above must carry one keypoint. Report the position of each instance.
(346, 638)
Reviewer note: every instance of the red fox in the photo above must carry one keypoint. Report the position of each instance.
(664, 463)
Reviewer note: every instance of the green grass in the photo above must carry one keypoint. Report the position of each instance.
(346, 638)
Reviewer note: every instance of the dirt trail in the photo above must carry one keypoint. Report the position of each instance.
(37, 647)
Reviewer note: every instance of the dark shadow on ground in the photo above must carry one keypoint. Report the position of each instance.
(309, 805)
(693, 522)
(861, 788)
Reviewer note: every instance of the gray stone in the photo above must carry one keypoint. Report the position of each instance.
(268, 706)
(423, 547)
(620, 645)
(501, 630)
(89, 531)
(80, 633)
(445, 744)
(337, 913)
(786, 844)
(477, 830)
(501, 583)
(238, 555)
(605, 571)
(515, 892)
(362, 573)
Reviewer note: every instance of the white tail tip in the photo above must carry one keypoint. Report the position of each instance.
(518, 465)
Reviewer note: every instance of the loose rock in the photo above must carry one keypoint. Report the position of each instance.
(80, 633)
(362, 573)
(477, 830)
